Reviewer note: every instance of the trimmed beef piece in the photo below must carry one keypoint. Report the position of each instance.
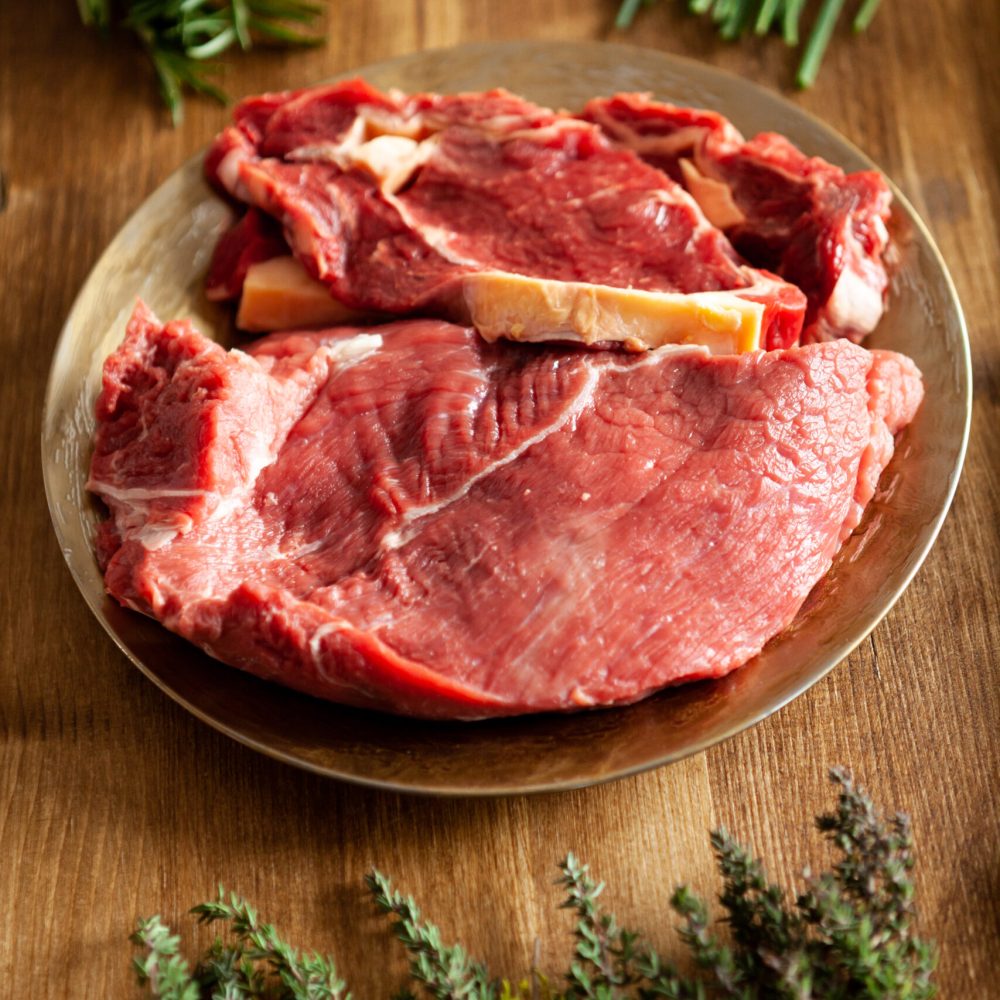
(391, 200)
(411, 519)
(256, 237)
(801, 217)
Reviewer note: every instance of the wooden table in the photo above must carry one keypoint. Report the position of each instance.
(114, 802)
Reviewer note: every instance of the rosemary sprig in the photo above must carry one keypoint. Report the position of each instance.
(180, 35)
(849, 934)
(734, 18)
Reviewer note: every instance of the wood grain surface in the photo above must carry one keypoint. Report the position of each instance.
(115, 803)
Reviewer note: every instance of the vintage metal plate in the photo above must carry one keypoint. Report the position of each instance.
(161, 255)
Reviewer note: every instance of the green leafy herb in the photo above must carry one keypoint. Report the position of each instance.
(162, 969)
(446, 971)
(848, 934)
(734, 18)
(255, 963)
(234, 969)
(180, 35)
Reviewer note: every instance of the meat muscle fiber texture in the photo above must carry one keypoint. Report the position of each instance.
(799, 216)
(421, 522)
(393, 201)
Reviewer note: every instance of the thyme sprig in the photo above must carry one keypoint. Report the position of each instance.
(257, 964)
(181, 35)
(849, 934)
(236, 967)
(734, 18)
(161, 969)
(445, 971)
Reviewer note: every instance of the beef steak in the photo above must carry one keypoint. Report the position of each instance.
(393, 200)
(801, 217)
(411, 519)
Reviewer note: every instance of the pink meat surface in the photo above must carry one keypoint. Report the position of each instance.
(410, 519)
(254, 238)
(801, 217)
(501, 184)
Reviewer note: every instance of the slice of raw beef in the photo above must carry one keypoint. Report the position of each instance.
(411, 519)
(393, 201)
(255, 238)
(801, 217)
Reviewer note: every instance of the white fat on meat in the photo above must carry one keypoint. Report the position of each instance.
(856, 302)
(228, 172)
(714, 197)
(502, 304)
(352, 349)
(388, 148)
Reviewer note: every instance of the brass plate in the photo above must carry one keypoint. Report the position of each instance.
(161, 255)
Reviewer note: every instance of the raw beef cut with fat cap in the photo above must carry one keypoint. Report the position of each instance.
(399, 203)
(799, 216)
(410, 519)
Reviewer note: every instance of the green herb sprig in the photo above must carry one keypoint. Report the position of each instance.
(181, 35)
(734, 18)
(849, 934)
(256, 962)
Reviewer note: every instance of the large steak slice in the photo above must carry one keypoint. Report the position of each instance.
(801, 217)
(397, 202)
(414, 520)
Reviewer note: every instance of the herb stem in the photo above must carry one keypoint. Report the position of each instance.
(739, 17)
(865, 14)
(790, 21)
(765, 16)
(733, 18)
(626, 14)
(722, 10)
(818, 41)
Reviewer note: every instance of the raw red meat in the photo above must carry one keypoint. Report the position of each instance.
(254, 238)
(390, 200)
(411, 519)
(801, 217)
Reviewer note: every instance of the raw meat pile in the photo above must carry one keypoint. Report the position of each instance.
(819, 228)
(423, 516)
(400, 204)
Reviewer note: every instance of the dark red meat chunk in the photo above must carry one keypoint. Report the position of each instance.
(801, 217)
